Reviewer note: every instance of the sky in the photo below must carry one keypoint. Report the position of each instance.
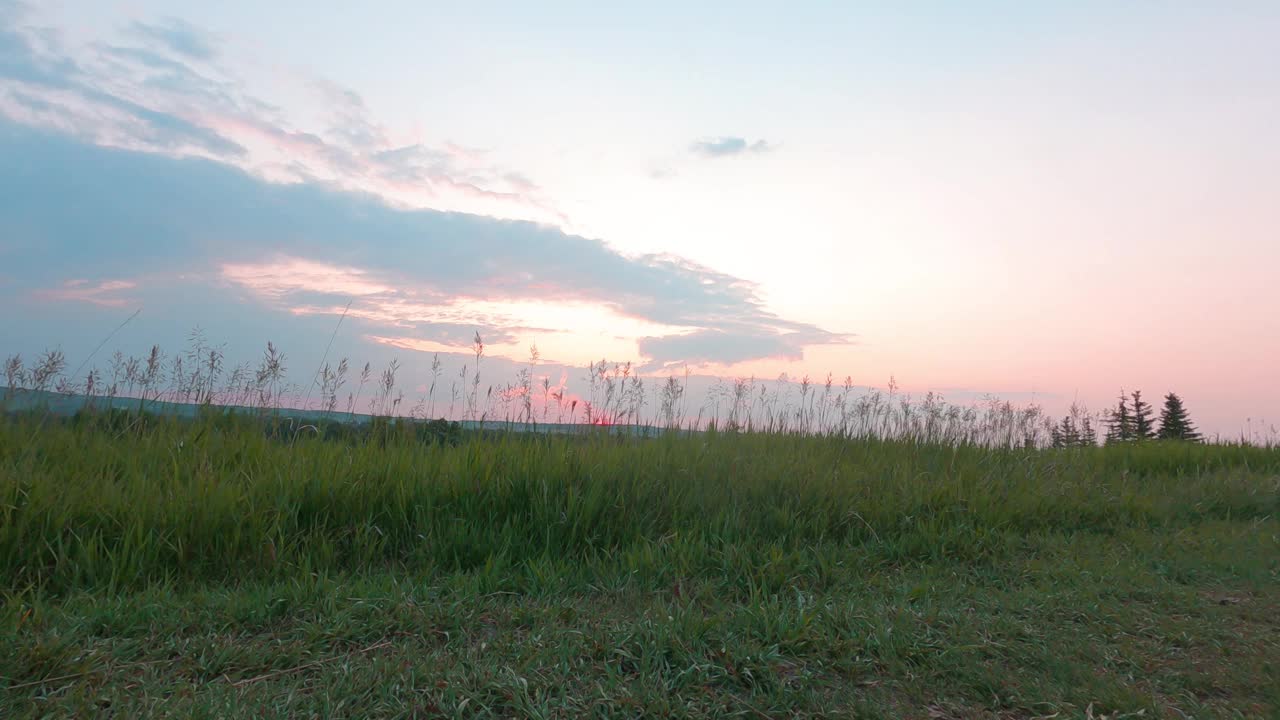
(1046, 201)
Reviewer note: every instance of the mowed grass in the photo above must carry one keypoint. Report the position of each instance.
(209, 569)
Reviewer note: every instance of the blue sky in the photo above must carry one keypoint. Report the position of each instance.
(1052, 198)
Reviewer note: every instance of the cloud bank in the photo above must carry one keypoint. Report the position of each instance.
(72, 208)
(142, 163)
(164, 87)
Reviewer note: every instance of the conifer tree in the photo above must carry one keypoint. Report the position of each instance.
(1065, 433)
(1175, 424)
(1088, 433)
(1070, 433)
(1120, 423)
(1143, 427)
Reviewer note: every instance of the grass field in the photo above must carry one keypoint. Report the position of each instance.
(206, 568)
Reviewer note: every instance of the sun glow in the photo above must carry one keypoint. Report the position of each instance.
(564, 332)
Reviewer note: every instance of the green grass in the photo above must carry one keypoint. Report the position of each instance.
(209, 569)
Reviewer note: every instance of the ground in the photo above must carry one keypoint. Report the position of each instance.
(1156, 597)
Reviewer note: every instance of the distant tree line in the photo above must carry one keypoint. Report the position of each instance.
(1132, 420)
(1077, 429)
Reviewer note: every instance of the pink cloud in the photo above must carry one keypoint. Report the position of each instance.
(398, 312)
(415, 344)
(429, 320)
(278, 278)
(105, 293)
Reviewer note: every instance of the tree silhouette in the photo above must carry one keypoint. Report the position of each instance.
(1074, 430)
(1143, 427)
(1088, 434)
(1065, 433)
(1120, 423)
(1175, 424)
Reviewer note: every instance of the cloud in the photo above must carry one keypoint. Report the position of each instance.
(140, 153)
(717, 147)
(716, 347)
(179, 37)
(443, 337)
(349, 119)
(732, 343)
(22, 60)
(161, 87)
(289, 275)
(41, 85)
(104, 293)
(73, 208)
(168, 131)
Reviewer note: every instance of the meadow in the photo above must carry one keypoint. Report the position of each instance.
(233, 565)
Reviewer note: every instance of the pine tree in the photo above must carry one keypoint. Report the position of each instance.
(1175, 424)
(1088, 434)
(1120, 423)
(1065, 433)
(1143, 427)
(1070, 433)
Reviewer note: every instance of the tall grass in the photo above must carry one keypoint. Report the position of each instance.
(100, 503)
(609, 394)
(116, 499)
(612, 394)
(811, 550)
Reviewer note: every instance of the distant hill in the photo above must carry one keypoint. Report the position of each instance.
(65, 405)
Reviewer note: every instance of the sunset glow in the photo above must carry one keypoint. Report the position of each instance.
(1047, 203)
